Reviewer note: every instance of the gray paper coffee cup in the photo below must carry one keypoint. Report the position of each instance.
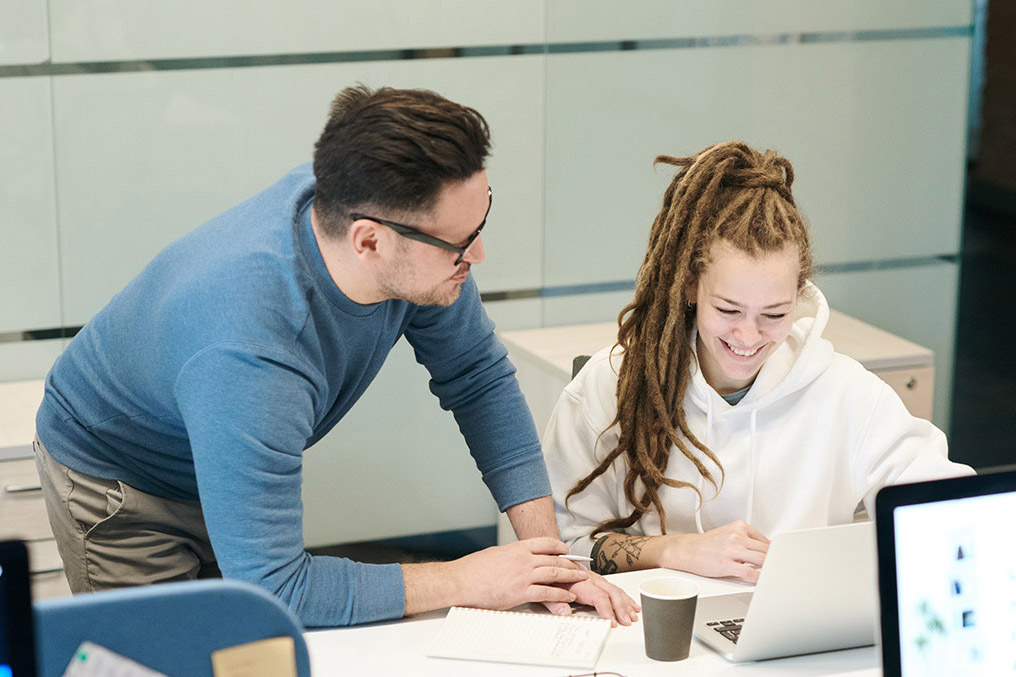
(668, 614)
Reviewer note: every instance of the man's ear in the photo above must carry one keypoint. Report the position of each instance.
(363, 238)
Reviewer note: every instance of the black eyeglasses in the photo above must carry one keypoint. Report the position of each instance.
(415, 234)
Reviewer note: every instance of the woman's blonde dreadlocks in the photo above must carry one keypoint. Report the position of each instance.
(726, 192)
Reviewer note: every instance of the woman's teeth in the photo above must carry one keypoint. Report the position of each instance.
(742, 353)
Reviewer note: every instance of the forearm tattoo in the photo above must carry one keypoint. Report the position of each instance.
(608, 551)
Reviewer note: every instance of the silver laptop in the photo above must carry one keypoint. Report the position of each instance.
(817, 592)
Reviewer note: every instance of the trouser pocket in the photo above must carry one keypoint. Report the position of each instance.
(94, 502)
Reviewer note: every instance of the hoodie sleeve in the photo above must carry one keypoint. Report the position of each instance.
(898, 448)
(573, 446)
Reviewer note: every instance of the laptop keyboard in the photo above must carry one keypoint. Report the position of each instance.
(730, 629)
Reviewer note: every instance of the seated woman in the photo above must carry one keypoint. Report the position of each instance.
(722, 415)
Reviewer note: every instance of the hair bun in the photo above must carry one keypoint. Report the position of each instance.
(769, 171)
(769, 177)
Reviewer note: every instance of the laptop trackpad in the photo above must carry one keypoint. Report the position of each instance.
(722, 607)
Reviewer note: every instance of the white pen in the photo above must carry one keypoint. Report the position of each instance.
(577, 558)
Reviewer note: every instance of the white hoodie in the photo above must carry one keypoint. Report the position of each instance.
(816, 434)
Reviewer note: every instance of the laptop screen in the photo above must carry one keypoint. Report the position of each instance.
(947, 577)
(17, 648)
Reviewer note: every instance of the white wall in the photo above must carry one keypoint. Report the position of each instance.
(125, 123)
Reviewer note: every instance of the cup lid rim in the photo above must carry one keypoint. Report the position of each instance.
(691, 586)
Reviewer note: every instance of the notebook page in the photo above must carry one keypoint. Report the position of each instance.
(514, 637)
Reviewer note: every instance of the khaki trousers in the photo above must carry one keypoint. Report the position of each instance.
(111, 535)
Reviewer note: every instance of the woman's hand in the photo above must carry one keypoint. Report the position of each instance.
(736, 549)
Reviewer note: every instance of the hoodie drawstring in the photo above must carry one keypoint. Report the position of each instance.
(701, 481)
(751, 467)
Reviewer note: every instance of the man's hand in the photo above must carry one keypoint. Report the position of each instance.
(500, 577)
(536, 518)
(525, 571)
(609, 600)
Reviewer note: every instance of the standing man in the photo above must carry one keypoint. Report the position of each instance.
(171, 436)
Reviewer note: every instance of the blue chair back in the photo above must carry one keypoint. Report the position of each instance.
(171, 627)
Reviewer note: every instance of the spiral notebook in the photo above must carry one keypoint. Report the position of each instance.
(521, 637)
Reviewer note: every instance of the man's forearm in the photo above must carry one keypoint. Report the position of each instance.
(429, 585)
(534, 518)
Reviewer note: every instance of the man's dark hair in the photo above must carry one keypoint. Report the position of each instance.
(392, 150)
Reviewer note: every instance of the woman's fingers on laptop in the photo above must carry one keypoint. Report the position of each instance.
(749, 573)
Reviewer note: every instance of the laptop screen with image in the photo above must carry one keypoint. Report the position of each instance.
(947, 577)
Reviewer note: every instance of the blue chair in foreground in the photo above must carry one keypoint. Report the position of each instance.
(172, 627)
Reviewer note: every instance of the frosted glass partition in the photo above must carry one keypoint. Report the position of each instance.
(396, 465)
(146, 157)
(515, 314)
(28, 257)
(24, 35)
(917, 303)
(371, 478)
(594, 307)
(25, 360)
(656, 19)
(102, 30)
(861, 122)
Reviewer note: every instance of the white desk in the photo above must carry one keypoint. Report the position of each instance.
(400, 648)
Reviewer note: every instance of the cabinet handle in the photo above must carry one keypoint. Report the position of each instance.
(911, 383)
(46, 572)
(22, 488)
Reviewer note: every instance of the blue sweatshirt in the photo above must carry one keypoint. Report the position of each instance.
(231, 353)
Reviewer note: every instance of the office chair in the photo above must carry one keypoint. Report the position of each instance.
(577, 363)
(171, 627)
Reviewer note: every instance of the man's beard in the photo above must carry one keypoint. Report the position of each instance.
(399, 286)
